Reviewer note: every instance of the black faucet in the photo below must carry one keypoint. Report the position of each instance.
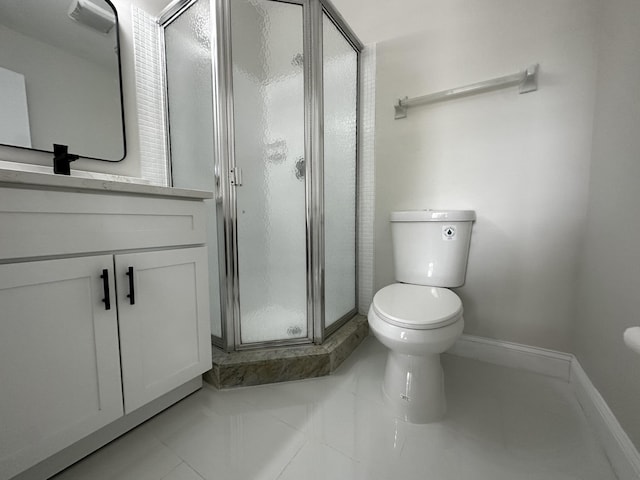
(62, 158)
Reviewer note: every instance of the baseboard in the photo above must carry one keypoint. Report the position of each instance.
(621, 452)
(532, 359)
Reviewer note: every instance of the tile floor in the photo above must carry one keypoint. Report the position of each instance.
(501, 424)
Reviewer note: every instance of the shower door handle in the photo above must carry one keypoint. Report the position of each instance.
(236, 177)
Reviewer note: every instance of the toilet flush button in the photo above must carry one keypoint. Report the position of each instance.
(449, 232)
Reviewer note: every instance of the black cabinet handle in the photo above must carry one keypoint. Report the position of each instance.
(105, 286)
(132, 293)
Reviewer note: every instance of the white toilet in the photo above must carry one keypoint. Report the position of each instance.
(418, 318)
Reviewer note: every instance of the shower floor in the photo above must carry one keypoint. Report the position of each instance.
(502, 424)
(273, 323)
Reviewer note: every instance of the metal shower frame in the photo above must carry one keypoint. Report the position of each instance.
(225, 164)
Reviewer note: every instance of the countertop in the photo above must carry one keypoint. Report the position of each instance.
(14, 174)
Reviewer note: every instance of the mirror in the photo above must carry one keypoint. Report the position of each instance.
(60, 79)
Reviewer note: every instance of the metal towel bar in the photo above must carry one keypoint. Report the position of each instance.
(527, 80)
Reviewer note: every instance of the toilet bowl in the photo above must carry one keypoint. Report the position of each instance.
(416, 323)
(419, 318)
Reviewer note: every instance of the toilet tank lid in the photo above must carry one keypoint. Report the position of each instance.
(433, 216)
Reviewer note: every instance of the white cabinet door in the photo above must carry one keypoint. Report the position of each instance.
(59, 362)
(165, 333)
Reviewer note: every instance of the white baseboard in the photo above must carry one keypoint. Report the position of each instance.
(622, 454)
(533, 359)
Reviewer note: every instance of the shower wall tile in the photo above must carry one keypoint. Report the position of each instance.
(366, 176)
(149, 96)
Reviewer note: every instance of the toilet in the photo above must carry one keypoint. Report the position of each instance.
(418, 318)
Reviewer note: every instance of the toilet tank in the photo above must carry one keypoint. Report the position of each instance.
(431, 247)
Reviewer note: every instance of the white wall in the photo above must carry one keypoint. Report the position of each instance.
(152, 7)
(520, 161)
(609, 300)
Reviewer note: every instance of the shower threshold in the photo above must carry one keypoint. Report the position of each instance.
(257, 367)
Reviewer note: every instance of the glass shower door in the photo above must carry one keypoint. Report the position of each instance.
(269, 119)
(187, 42)
(340, 89)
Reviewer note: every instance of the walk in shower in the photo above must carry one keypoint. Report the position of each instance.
(262, 108)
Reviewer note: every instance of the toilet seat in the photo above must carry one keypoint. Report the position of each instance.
(417, 307)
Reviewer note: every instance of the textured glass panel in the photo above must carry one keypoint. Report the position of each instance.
(340, 73)
(189, 85)
(269, 145)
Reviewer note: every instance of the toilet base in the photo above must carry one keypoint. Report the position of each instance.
(413, 387)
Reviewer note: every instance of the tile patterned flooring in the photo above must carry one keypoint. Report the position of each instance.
(501, 424)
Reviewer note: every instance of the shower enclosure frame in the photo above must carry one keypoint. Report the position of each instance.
(226, 175)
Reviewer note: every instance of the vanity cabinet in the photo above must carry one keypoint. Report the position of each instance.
(163, 310)
(59, 357)
(104, 311)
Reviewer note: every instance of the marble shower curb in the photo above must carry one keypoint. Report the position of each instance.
(257, 367)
